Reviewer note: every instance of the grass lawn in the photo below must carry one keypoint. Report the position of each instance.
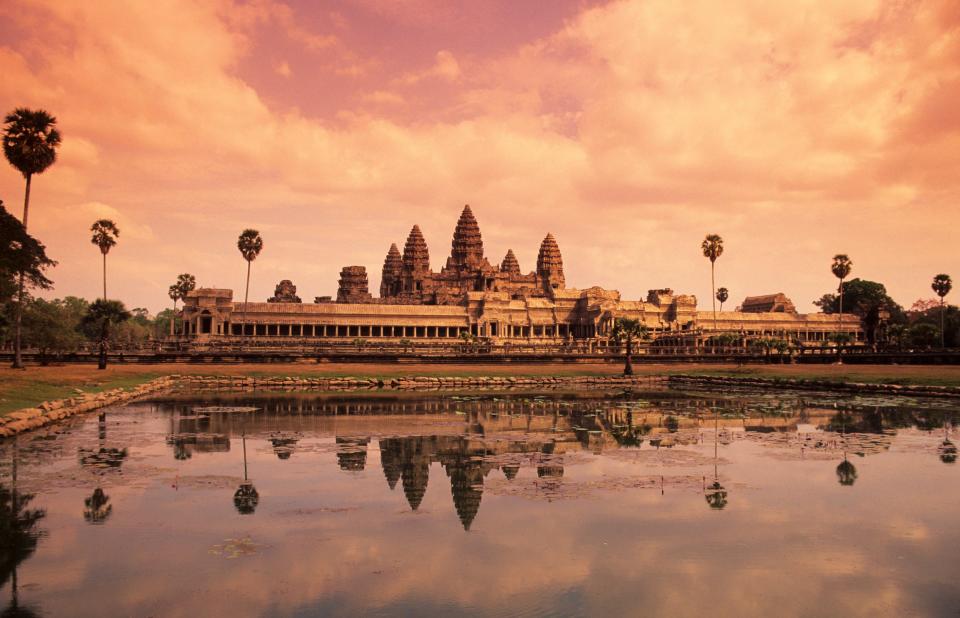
(24, 388)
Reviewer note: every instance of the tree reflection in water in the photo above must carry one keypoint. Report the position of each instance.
(846, 471)
(246, 498)
(97, 508)
(714, 493)
(19, 534)
(947, 449)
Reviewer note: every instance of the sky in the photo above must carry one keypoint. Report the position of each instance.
(629, 129)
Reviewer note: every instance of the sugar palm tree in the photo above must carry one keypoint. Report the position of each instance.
(250, 245)
(97, 321)
(174, 293)
(105, 234)
(626, 331)
(185, 284)
(712, 247)
(942, 284)
(841, 268)
(722, 295)
(30, 142)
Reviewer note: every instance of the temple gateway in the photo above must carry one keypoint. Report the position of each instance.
(471, 298)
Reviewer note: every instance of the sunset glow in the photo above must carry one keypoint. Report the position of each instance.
(627, 129)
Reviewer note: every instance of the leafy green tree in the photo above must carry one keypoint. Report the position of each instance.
(105, 234)
(625, 332)
(50, 327)
(870, 302)
(30, 142)
(942, 284)
(250, 245)
(923, 335)
(712, 247)
(722, 295)
(97, 323)
(22, 265)
(841, 267)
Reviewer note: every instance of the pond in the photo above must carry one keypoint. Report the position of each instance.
(601, 503)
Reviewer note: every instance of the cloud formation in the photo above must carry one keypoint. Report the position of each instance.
(628, 129)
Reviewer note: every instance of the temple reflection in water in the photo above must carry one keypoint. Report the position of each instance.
(471, 436)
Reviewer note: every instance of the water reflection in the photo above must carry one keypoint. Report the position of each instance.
(19, 535)
(246, 498)
(498, 484)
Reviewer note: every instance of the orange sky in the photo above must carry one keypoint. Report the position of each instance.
(628, 129)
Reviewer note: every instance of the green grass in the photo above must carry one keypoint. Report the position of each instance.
(28, 392)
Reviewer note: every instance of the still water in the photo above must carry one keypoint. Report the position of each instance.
(592, 503)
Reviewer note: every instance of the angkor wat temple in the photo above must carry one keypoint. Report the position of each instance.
(469, 296)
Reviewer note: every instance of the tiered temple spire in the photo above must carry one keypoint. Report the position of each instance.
(467, 249)
(510, 264)
(416, 257)
(550, 263)
(392, 269)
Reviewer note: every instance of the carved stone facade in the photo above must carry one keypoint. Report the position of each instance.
(410, 280)
(354, 287)
(285, 292)
(497, 303)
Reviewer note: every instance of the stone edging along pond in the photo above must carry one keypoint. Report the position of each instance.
(52, 411)
(816, 385)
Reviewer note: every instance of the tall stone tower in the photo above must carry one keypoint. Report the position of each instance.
(416, 261)
(467, 251)
(353, 286)
(510, 265)
(550, 264)
(392, 269)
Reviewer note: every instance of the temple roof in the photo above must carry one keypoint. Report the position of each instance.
(467, 248)
(416, 257)
(510, 263)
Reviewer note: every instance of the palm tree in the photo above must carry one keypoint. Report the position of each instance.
(185, 284)
(250, 245)
(105, 234)
(942, 284)
(722, 295)
(174, 294)
(841, 269)
(30, 141)
(626, 331)
(712, 247)
(96, 324)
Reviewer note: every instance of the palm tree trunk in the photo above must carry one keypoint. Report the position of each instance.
(840, 324)
(628, 366)
(173, 319)
(18, 329)
(943, 338)
(246, 294)
(713, 290)
(104, 276)
(104, 333)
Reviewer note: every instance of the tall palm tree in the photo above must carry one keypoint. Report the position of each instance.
(626, 331)
(105, 234)
(250, 245)
(30, 141)
(185, 284)
(942, 284)
(722, 295)
(712, 247)
(841, 268)
(97, 321)
(174, 293)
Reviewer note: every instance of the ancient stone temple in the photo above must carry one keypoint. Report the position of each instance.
(285, 292)
(353, 286)
(471, 298)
